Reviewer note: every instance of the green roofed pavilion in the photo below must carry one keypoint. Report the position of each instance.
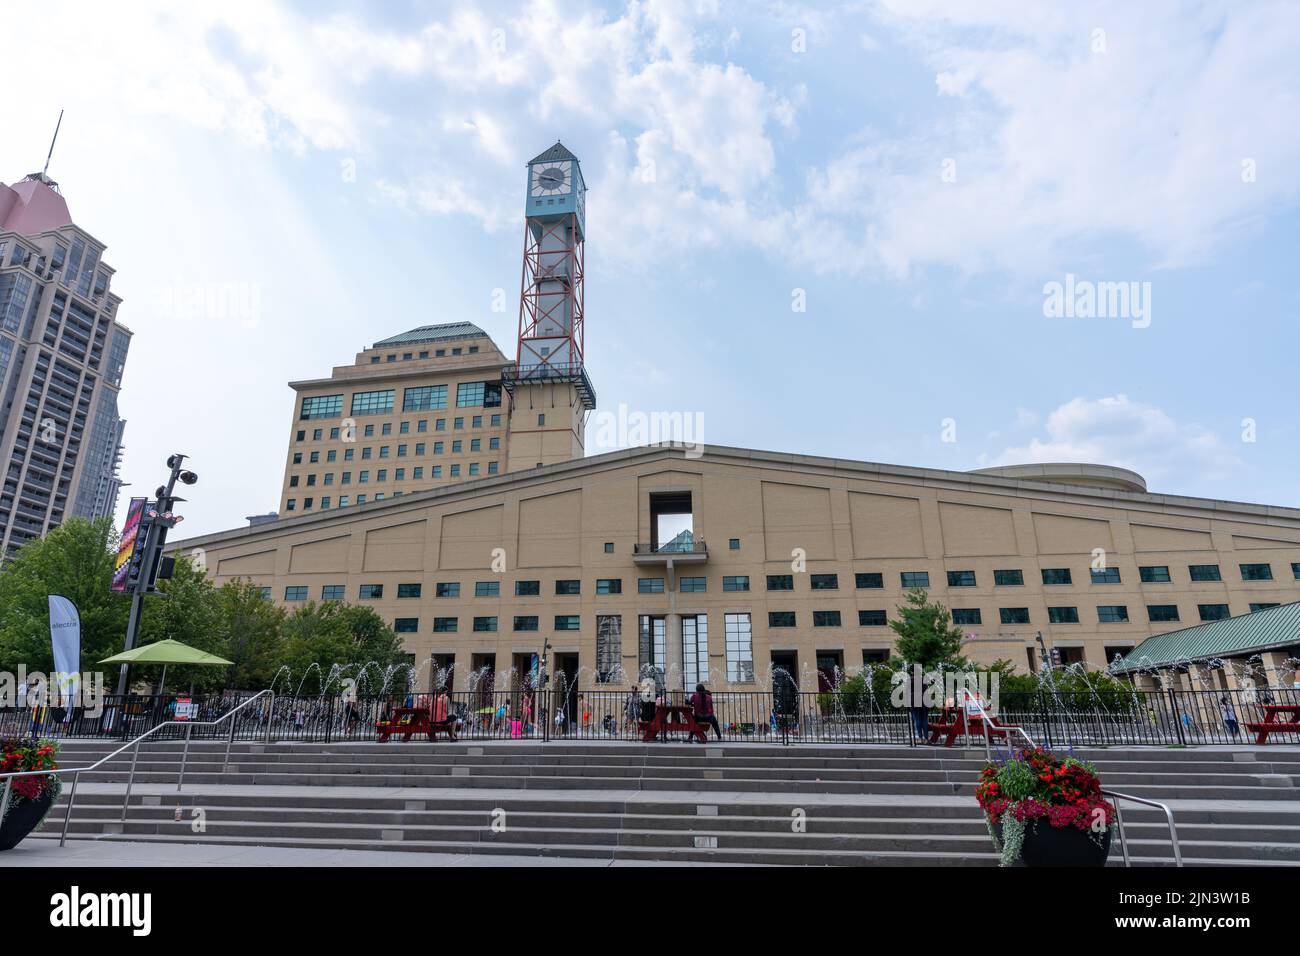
(1265, 630)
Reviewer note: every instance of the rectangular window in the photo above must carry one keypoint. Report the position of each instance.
(371, 592)
(1262, 607)
(487, 588)
(609, 585)
(1062, 615)
(1104, 575)
(568, 587)
(295, 592)
(423, 399)
(780, 582)
(469, 394)
(737, 582)
(1014, 615)
(266, 593)
(447, 589)
(566, 622)
(333, 592)
(1257, 572)
(692, 585)
(875, 618)
(826, 618)
(1204, 572)
(483, 624)
(1009, 578)
(1112, 614)
(650, 585)
(780, 618)
(609, 648)
(967, 617)
(526, 622)
(961, 579)
(1213, 612)
(528, 588)
(733, 544)
(1154, 574)
(408, 590)
(1162, 612)
(372, 403)
(869, 579)
(322, 406)
(406, 625)
(1295, 570)
(1056, 576)
(825, 582)
(740, 648)
(915, 579)
(695, 649)
(444, 625)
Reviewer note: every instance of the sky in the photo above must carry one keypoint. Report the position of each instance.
(862, 230)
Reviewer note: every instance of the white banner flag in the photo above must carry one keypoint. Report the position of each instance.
(65, 636)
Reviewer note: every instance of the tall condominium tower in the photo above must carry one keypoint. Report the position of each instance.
(62, 352)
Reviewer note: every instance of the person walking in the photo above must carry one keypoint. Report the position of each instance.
(1229, 716)
(702, 704)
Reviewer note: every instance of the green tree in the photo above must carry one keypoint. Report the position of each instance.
(336, 633)
(252, 626)
(189, 610)
(926, 634)
(76, 561)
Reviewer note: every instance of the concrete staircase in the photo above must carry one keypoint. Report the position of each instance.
(734, 804)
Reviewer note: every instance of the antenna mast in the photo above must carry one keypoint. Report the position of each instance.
(50, 154)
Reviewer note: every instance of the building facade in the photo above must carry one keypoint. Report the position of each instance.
(62, 355)
(728, 565)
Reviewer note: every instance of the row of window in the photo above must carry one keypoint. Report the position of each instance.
(1014, 577)
(972, 617)
(403, 428)
(344, 501)
(399, 474)
(416, 399)
(424, 354)
(403, 451)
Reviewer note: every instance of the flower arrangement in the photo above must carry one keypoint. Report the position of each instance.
(20, 754)
(1037, 785)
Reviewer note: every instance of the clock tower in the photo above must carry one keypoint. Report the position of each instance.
(550, 393)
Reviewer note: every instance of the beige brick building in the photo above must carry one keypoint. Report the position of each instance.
(725, 564)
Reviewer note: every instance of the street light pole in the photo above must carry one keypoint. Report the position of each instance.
(161, 520)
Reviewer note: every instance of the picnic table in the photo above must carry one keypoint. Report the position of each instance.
(1271, 724)
(672, 717)
(415, 720)
(953, 722)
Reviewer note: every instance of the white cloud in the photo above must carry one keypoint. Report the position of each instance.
(1116, 430)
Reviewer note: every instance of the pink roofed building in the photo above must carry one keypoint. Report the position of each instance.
(62, 353)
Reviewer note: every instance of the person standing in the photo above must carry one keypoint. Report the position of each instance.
(702, 704)
(1229, 716)
(917, 708)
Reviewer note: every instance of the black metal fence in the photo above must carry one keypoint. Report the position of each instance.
(1154, 718)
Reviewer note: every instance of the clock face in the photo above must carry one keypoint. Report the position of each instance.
(554, 179)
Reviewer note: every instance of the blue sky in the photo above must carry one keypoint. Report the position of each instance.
(280, 185)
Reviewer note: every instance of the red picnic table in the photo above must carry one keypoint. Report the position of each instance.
(953, 723)
(672, 717)
(1272, 725)
(414, 720)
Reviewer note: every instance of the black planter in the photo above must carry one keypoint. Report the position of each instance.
(23, 817)
(1046, 845)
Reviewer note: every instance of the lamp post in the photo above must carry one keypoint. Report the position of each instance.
(161, 520)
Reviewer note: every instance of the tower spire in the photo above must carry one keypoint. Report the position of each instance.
(45, 173)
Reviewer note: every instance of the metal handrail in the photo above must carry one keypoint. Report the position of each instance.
(988, 734)
(78, 771)
(1119, 822)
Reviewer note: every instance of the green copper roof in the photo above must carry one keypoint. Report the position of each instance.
(434, 333)
(553, 155)
(1246, 633)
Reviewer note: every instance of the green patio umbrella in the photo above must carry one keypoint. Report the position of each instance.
(164, 653)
